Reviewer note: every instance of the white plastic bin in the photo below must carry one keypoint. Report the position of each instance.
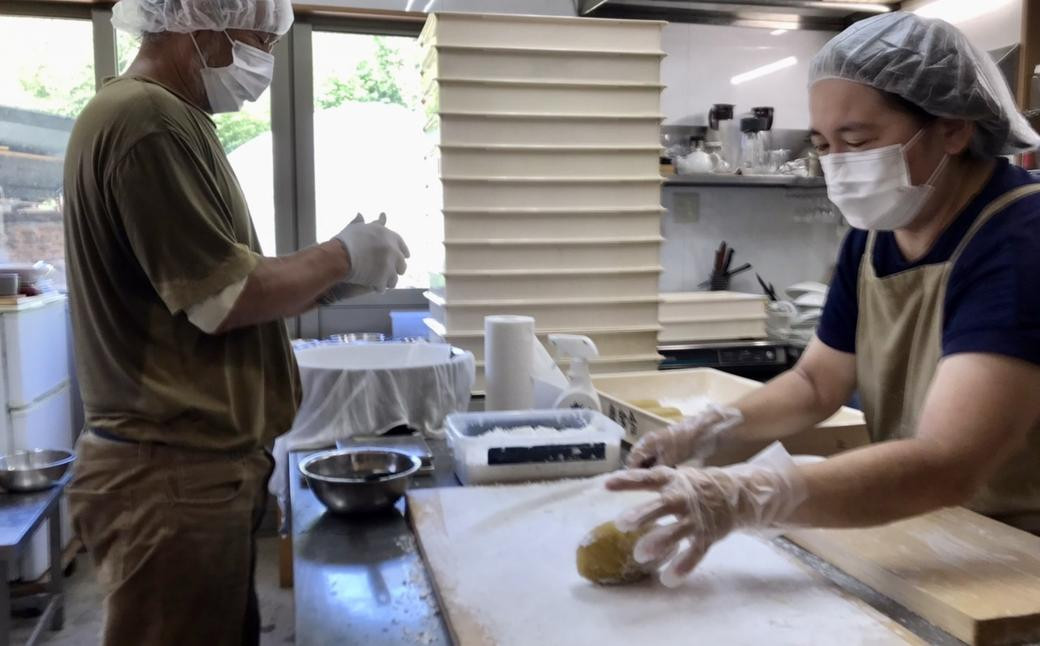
(844, 431)
(593, 192)
(696, 306)
(547, 129)
(591, 314)
(548, 161)
(450, 95)
(531, 64)
(460, 224)
(641, 342)
(560, 254)
(36, 348)
(721, 329)
(589, 444)
(638, 282)
(542, 32)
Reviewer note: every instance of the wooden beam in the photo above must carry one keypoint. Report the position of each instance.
(1029, 55)
(974, 577)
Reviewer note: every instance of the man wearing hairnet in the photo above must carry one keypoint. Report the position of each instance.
(933, 316)
(183, 359)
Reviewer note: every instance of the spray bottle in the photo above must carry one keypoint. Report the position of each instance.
(579, 393)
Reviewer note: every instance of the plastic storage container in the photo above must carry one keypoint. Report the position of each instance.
(718, 329)
(533, 192)
(574, 313)
(548, 161)
(409, 324)
(545, 283)
(697, 306)
(623, 342)
(458, 128)
(465, 224)
(542, 32)
(480, 458)
(558, 255)
(528, 64)
(843, 431)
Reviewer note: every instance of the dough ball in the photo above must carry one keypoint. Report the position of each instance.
(605, 556)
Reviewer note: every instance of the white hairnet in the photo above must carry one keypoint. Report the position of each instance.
(931, 64)
(152, 16)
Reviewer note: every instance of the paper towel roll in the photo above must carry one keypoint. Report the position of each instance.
(508, 360)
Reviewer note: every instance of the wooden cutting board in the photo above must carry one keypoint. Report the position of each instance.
(974, 577)
(503, 563)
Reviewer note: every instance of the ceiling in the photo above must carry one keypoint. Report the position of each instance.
(772, 14)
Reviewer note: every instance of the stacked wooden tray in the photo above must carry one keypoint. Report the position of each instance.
(546, 133)
(692, 317)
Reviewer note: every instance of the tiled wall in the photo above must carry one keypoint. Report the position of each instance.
(788, 235)
(703, 58)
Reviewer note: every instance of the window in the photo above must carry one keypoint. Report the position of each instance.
(46, 78)
(370, 152)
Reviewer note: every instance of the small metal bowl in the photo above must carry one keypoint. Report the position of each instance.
(34, 470)
(358, 481)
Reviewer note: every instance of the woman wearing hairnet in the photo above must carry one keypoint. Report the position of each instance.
(183, 357)
(933, 315)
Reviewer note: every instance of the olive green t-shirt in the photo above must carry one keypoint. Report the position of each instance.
(156, 222)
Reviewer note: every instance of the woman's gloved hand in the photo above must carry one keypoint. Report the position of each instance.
(695, 437)
(707, 505)
(377, 254)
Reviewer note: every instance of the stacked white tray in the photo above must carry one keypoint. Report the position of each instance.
(546, 132)
(690, 317)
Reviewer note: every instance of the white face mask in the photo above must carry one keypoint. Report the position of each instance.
(873, 189)
(245, 79)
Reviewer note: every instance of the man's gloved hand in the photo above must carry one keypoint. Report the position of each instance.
(695, 437)
(343, 291)
(377, 254)
(707, 505)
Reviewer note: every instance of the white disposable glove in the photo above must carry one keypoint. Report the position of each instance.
(343, 291)
(695, 437)
(377, 254)
(707, 505)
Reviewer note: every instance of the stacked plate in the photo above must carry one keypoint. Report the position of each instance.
(545, 130)
(795, 319)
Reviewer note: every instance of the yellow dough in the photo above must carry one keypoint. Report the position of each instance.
(605, 556)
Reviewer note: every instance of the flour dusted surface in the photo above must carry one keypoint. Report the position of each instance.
(504, 558)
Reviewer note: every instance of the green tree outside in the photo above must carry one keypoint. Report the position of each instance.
(373, 81)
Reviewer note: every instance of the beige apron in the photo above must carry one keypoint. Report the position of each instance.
(898, 349)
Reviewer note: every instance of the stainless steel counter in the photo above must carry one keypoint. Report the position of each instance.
(362, 581)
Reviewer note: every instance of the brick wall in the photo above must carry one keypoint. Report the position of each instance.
(35, 234)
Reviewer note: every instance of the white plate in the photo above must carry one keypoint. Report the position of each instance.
(796, 290)
(811, 299)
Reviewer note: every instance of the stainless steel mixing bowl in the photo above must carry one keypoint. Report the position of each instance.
(361, 480)
(34, 470)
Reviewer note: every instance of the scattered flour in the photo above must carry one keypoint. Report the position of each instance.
(689, 406)
(496, 434)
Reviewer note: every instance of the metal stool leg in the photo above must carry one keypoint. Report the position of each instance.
(57, 573)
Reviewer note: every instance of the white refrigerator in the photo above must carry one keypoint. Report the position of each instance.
(35, 397)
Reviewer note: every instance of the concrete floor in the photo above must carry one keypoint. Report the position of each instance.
(83, 605)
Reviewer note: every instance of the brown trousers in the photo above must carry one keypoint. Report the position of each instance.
(171, 533)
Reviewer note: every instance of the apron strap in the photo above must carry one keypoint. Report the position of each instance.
(992, 209)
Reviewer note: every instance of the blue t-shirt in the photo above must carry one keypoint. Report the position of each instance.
(993, 297)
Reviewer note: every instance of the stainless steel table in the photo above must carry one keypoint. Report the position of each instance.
(362, 581)
(21, 515)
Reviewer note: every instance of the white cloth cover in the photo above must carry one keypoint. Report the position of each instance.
(369, 389)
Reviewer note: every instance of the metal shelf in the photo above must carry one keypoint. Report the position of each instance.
(753, 181)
